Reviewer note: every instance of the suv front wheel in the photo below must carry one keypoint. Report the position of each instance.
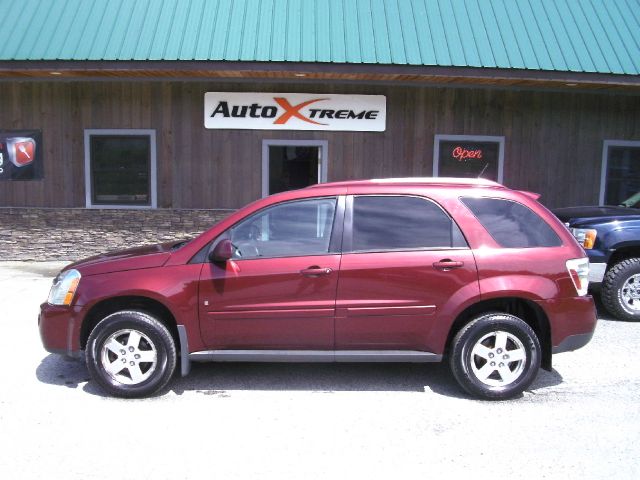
(495, 356)
(131, 354)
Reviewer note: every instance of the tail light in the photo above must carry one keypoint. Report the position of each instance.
(578, 269)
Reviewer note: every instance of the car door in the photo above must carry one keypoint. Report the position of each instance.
(403, 260)
(278, 290)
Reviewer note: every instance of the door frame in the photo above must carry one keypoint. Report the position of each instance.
(322, 166)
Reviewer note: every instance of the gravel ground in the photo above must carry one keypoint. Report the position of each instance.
(307, 421)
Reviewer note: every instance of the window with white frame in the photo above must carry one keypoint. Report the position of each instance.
(620, 181)
(120, 168)
(468, 156)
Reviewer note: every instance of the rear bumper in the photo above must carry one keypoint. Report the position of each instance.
(60, 329)
(572, 320)
(573, 342)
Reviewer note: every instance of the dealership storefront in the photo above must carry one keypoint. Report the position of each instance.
(135, 151)
(132, 156)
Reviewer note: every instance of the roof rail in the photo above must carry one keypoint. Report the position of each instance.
(473, 182)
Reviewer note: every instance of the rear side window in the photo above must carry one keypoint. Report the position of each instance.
(511, 224)
(397, 223)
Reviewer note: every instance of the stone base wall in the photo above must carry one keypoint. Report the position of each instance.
(74, 233)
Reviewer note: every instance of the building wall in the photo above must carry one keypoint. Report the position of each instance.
(74, 233)
(553, 145)
(553, 140)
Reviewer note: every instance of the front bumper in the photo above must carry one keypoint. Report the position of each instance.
(596, 272)
(60, 329)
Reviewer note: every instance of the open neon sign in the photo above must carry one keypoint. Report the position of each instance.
(462, 154)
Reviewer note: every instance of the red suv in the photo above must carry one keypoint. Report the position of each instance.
(395, 270)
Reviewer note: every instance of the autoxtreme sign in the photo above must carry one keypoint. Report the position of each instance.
(295, 111)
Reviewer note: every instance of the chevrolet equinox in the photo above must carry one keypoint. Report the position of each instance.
(394, 270)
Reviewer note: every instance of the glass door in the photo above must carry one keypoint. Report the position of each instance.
(289, 165)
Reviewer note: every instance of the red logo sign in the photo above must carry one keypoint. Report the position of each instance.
(461, 154)
(294, 111)
(21, 150)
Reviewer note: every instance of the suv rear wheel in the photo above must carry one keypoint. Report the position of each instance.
(620, 291)
(131, 354)
(495, 356)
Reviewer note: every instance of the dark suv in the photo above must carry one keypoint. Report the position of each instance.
(395, 270)
(611, 237)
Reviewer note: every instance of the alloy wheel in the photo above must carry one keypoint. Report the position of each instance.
(129, 357)
(629, 294)
(498, 359)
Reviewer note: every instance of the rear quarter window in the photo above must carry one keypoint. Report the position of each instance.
(511, 224)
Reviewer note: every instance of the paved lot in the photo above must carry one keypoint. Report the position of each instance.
(310, 421)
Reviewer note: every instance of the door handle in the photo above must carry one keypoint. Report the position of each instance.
(316, 271)
(447, 264)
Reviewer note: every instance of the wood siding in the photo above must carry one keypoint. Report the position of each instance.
(553, 140)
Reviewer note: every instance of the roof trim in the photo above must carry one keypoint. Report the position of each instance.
(16, 69)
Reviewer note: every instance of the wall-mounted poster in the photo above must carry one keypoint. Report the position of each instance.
(21, 155)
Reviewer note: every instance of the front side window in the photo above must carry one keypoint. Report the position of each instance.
(298, 228)
(511, 224)
(121, 168)
(401, 223)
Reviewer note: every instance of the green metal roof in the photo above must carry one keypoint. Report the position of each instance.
(565, 35)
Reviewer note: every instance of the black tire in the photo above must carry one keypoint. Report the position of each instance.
(615, 287)
(483, 333)
(148, 354)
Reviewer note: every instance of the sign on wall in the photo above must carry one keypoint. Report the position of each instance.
(21, 155)
(468, 156)
(294, 111)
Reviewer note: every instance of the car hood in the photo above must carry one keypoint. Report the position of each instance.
(131, 259)
(590, 213)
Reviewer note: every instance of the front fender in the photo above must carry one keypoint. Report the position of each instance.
(175, 287)
(618, 234)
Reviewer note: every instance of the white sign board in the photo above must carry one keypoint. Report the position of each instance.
(295, 111)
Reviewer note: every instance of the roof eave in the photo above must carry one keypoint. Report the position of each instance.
(194, 69)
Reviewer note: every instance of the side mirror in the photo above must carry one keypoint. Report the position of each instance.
(222, 252)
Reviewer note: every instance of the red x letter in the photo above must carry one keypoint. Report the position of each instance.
(294, 111)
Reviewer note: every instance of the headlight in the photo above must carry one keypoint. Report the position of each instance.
(585, 236)
(64, 288)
